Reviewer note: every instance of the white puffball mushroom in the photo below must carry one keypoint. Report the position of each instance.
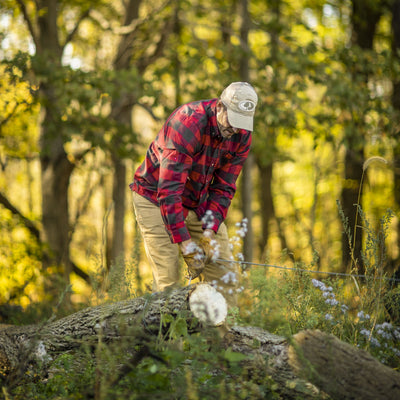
(208, 305)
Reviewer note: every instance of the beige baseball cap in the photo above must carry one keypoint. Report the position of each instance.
(240, 99)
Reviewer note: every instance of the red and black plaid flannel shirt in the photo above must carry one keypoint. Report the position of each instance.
(190, 166)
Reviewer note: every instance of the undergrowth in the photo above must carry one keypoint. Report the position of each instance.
(179, 365)
(362, 310)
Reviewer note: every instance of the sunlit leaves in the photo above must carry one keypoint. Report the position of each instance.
(18, 113)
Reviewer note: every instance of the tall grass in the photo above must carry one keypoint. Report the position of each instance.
(353, 308)
(179, 365)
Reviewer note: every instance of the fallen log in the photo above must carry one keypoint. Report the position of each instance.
(311, 365)
(341, 369)
(110, 321)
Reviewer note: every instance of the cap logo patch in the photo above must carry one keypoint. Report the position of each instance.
(247, 105)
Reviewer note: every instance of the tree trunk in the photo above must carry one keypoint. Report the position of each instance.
(342, 370)
(364, 19)
(247, 183)
(122, 114)
(352, 246)
(247, 210)
(265, 162)
(396, 106)
(55, 166)
(266, 205)
(119, 200)
(20, 344)
(312, 365)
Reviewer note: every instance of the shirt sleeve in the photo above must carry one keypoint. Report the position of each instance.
(223, 187)
(174, 170)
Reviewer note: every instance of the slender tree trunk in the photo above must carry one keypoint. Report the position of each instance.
(247, 183)
(123, 116)
(119, 200)
(55, 166)
(265, 164)
(176, 60)
(266, 204)
(352, 246)
(364, 19)
(396, 106)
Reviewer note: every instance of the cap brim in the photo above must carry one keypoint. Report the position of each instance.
(240, 121)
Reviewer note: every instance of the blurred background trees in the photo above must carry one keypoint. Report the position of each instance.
(85, 86)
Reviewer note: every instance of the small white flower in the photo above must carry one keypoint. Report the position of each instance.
(395, 351)
(375, 342)
(240, 257)
(329, 317)
(229, 277)
(386, 335)
(318, 284)
(344, 308)
(332, 302)
(198, 257)
(192, 247)
(362, 316)
(208, 219)
(365, 332)
(387, 325)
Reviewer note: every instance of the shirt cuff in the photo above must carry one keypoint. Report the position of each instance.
(178, 234)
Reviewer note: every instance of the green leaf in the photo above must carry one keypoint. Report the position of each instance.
(233, 356)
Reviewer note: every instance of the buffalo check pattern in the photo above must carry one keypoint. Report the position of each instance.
(190, 166)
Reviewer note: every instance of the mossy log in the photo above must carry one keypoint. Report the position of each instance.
(311, 365)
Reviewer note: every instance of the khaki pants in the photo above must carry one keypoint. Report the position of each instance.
(164, 256)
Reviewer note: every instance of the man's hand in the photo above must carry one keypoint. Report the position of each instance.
(209, 245)
(207, 248)
(194, 257)
(197, 256)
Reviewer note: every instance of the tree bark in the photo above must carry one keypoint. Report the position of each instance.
(56, 169)
(342, 370)
(265, 162)
(312, 365)
(122, 114)
(247, 181)
(364, 19)
(266, 205)
(396, 106)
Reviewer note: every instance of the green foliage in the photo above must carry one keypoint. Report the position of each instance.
(18, 114)
(354, 308)
(187, 367)
(70, 377)
(20, 262)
